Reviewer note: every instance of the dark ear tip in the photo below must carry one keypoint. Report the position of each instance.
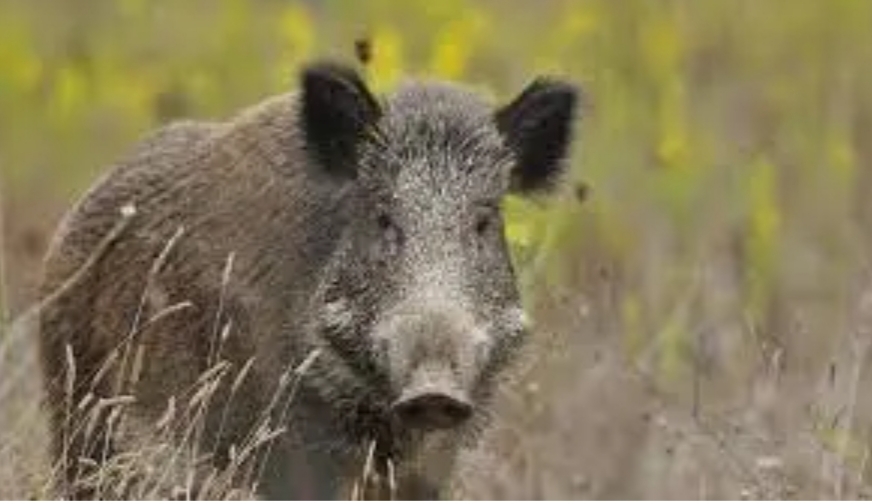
(320, 71)
(556, 94)
(568, 94)
(556, 85)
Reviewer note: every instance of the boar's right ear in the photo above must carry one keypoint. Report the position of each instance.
(337, 112)
(538, 126)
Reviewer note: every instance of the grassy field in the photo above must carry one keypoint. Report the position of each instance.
(704, 315)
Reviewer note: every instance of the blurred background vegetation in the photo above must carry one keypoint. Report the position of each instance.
(719, 258)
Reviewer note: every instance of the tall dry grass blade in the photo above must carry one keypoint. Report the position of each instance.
(69, 383)
(168, 416)
(310, 359)
(243, 373)
(93, 419)
(368, 464)
(200, 397)
(166, 312)
(215, 341)
(85, 402)
(212, 374)
(392, 479)
(189, 485)
(138, 363)
(70, 375)
(114, 402)
(105, 367)
(225, 333)
(355, 492)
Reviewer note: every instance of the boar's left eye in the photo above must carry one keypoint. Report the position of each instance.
(390, 233)
(482, 224)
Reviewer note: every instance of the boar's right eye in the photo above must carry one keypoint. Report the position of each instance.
(384, 222)
(390, 232)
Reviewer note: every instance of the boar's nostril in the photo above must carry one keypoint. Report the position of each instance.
(432, 410)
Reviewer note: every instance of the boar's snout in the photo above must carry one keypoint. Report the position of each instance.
(434, 351)
(432, 400)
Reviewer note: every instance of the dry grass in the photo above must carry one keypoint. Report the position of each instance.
(156, 460)
(159, 459)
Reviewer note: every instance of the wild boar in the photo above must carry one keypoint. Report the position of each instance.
(312, 298)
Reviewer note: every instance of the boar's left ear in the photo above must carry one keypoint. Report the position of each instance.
(337, 112)
(538, 126)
